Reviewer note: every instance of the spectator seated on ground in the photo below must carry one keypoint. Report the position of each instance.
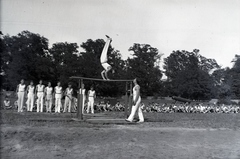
(119, 107)
(218, 109)
(101, 106)
(225, 109)
(211, 109)
(155, 107)
(142, 106)
(147, 109)
(108, 106)
(7, 103)
(236, 109)
(175, 108)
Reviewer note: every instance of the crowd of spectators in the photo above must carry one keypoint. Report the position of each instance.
(191, 108)
(102, 106)
(177, 108)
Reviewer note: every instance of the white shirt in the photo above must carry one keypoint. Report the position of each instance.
(58, 90)
(40, 88)
(49, 90)
(135, 92)
(91, 93)
(69, 91)
(31, 89)
(21, 88)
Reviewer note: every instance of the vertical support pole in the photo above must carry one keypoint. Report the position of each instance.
(126, 100)
(80, 99)
(131, 96)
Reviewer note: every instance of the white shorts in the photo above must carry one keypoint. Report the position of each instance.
(106, 66)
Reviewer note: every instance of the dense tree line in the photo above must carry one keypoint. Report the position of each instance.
(188, 74)
(28, 56)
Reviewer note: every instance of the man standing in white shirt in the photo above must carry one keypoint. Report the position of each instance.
(84, 97)
(58, 97)
(49, 97)
(136, 103)
(20, 93)
(40, 95)
(91, 97)
(30, 100)
(68, 98)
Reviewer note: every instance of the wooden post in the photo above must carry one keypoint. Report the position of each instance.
(126, 100)
(80, 99)
(131, 97)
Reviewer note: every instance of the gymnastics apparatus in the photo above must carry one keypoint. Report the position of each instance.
(128, 100)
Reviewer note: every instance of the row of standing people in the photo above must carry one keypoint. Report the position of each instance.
(40, 91)
(48, 94)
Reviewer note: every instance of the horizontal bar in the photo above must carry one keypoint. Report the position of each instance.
(97, 79)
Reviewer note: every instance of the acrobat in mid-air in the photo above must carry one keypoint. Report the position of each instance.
(104, 59)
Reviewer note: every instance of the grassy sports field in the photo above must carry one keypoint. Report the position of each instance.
(163, 135)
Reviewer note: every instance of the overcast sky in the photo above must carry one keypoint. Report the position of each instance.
(213, 26)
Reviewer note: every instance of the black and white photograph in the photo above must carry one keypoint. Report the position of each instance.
(120, 79)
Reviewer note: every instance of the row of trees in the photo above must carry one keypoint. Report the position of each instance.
(28, 56)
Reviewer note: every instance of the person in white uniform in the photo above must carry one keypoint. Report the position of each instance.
(58, 97)
(40, 96)
(68, 98)
(104, 59)
(49, 97)
(84, 97)
(136, 103)
(20, 93)
(30, 97)
(91, 97)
